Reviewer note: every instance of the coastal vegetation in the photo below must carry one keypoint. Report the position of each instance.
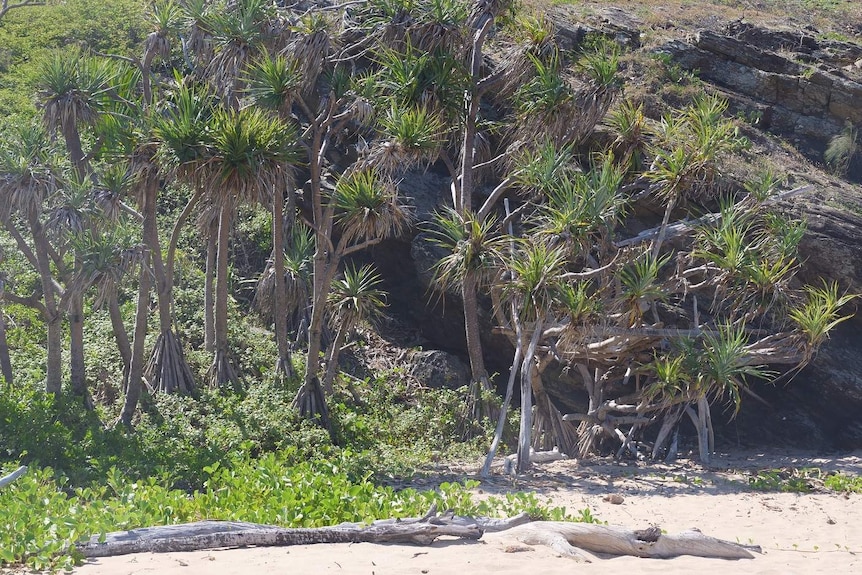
(189, 194)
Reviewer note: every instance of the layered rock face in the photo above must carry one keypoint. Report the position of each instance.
(797, 86)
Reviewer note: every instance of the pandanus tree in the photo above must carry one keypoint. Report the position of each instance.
(249, 155)
(72, 89)
(274, 83)
(366, 208)
(28, 176)
(354, 298)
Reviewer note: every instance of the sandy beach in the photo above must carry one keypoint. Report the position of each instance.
(816, 532)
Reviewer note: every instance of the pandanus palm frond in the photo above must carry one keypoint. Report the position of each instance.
(474, 247)
(72, 87)
(116, 180)
(27, 176)
(298, 253)
(180, 128)
(369, 208)
(538, 169)
(724, 366)
(249, 153)
(197, 32)
(105, 259)
(73, 208)
(164, 17)
(631, 128)
(311, 47)
(414, 137)
(356, 297)
(535, 274)
(439, 25)
(274, 82)
(641, 284)
(582, 208)
(820, 312)
(238, 33)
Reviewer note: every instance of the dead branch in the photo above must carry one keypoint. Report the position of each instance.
(4, 481)
(568, 539)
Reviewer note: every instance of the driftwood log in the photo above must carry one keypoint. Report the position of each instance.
(215, 534)
(568, 539)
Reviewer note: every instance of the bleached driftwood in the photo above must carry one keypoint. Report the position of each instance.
(214, 534)
(568, 539)
(4, 481)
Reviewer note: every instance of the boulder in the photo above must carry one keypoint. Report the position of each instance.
(437, 369)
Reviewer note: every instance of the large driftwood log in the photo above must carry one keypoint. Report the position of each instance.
(568, 539)
(4, 481)
(214, 534)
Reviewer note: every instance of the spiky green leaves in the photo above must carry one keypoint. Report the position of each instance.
(27, 170)
(356, 296)
(368, 207)
(72, 88)
(718, 365)
(273, 82)
(687, 148)
(181, 128)
(415, 137)
(249, 153)
(820, 312)
(536, 271)
(475, 249)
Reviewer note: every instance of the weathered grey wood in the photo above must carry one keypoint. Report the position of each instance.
(4, 481)
(568, 539)
(215, 534)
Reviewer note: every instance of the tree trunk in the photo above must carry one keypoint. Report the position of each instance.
(5, 362)
(54, 368)
(209, 289)
(78, 372)
(136, 365)
(120, 334)
(526, 427)
(334, 352)
(73, 146)
(283, 366)
(167, 369)
(510, 387)
(222, 372)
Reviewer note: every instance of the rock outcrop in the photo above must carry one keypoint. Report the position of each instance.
(794, 84)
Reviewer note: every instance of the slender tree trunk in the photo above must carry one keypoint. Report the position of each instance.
(283, 366)
(510, 388)
(78, 374)
(5, 362)
(54, 368)
(120, 335)
(222, 371)
(321, 273)
(209, 289)
(73, 146)
(472, 98)
(334, 351)
(471, 324)
(136, 365)
(167, 369)
(524, 439)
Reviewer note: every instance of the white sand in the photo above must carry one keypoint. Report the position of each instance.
(800, 533)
